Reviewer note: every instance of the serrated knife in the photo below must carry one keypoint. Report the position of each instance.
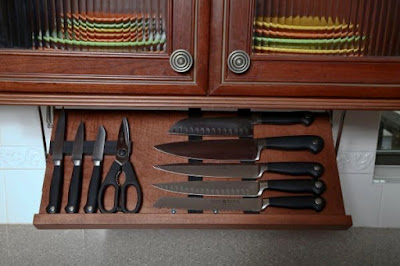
(247, 171)
(243, 204)
(75, 188)
(95, 180)
(57, 181)
(244, 188)
(241, 149)
(238, 126)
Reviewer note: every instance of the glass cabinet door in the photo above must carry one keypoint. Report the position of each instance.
(104, 46)
(91, 25)
(359, 28)
(318, 48)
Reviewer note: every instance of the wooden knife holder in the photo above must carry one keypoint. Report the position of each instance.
(150, 128)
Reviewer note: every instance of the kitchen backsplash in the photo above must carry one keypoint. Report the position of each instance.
(22, 164)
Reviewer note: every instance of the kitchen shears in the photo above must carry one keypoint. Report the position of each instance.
(121, 164)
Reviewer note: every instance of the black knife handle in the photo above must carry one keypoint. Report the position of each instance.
(56, 189)
(287, 118)
(299, 202)
(75, 189)
(94, 186)
(312, 169)
(297, 185)
(294, 143)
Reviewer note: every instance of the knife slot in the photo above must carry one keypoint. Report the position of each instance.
(149, 129)
(194, 112)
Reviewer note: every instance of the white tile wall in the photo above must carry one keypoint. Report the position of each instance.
(22, 164)
(3, 209)
(24, 191)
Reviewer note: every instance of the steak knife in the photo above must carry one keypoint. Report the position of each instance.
(247, 171)
(95, 180)
(75, 188)
(57, 181)
(243, 204)
(244, 188)
(241, 126)
(241, 149)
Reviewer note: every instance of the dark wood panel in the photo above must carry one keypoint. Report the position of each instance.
(149, 128)
(319, 72)
(179, 102)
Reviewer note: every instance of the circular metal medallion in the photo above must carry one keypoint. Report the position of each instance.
(181, 61)
(238, 62)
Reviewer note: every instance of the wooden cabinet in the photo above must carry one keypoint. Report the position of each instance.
(303, 54)
(104, 47)
(306, 48)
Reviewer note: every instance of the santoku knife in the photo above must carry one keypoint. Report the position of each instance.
(95, 180)
(244, 188)
(247, 171)
(238, 126)
(75, 188)
(241, 149)
(243, 204)
(57, 180)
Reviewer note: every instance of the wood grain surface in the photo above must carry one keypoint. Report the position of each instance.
(149, 128)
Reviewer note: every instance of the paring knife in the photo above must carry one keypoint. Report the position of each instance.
(241, 149)
(238, 126)
(57, 181)
(95, 180)
(247, 171)
(243, 204)
(244, 188)
(75, 188)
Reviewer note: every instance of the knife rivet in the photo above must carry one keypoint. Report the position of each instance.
(90, 208)
(317, 167)
(315, 141)
(318, 201)
(71, 208)
(52, 209)
(215, 211)
(173, 211)
(307, 116)
(318, 184)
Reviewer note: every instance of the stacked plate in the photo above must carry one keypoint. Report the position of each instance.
(137, 31)
(307, 35)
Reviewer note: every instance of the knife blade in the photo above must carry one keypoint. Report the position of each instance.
(240, 149)
(75, 188)
(238, 126)
(57, 181)
(243, 204)
(243, 188)
(247, 171)
(95, 180)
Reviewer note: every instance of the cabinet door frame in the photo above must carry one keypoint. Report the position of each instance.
(27, 71)
(294, 76)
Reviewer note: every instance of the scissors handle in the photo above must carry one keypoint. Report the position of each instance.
(131, 181)
(110, 181)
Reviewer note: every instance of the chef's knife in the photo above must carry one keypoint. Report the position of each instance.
(238, 126)
(240, 149)
(75, 188)
(95, 180)
(57, 180)
(244, 188)
(244, 204)
(247, 171)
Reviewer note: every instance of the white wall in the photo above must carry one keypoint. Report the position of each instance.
(22, 163)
